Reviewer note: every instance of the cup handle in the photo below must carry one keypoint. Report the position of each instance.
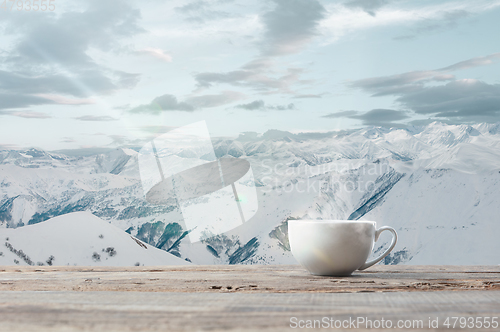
(393, 243)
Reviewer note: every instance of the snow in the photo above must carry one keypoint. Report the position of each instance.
(79, 238)
(444, 217)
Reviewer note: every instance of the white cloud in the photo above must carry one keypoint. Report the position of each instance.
(247, 25)
(157, 53)
(30, 115)
(67, 101)
(96, 118)
(342, 20)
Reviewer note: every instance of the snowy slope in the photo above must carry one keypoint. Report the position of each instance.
(443, 217)
(78, 238)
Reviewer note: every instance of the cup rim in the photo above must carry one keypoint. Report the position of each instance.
(332, 221)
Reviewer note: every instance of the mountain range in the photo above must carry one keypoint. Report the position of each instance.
(437, 185)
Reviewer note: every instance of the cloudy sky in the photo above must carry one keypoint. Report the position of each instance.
(116, 73)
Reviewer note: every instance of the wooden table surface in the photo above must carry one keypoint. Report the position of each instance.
(240, 297)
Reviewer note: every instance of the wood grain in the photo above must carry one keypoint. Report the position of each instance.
(248, 279)
(238, 298)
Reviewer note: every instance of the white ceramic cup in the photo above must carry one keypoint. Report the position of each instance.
(335, 247)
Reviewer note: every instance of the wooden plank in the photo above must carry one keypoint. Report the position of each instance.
(150, 311)
(248, 279)
(238, 298)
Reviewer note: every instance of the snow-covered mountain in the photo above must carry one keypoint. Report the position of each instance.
(78, 238)
(438, 185)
